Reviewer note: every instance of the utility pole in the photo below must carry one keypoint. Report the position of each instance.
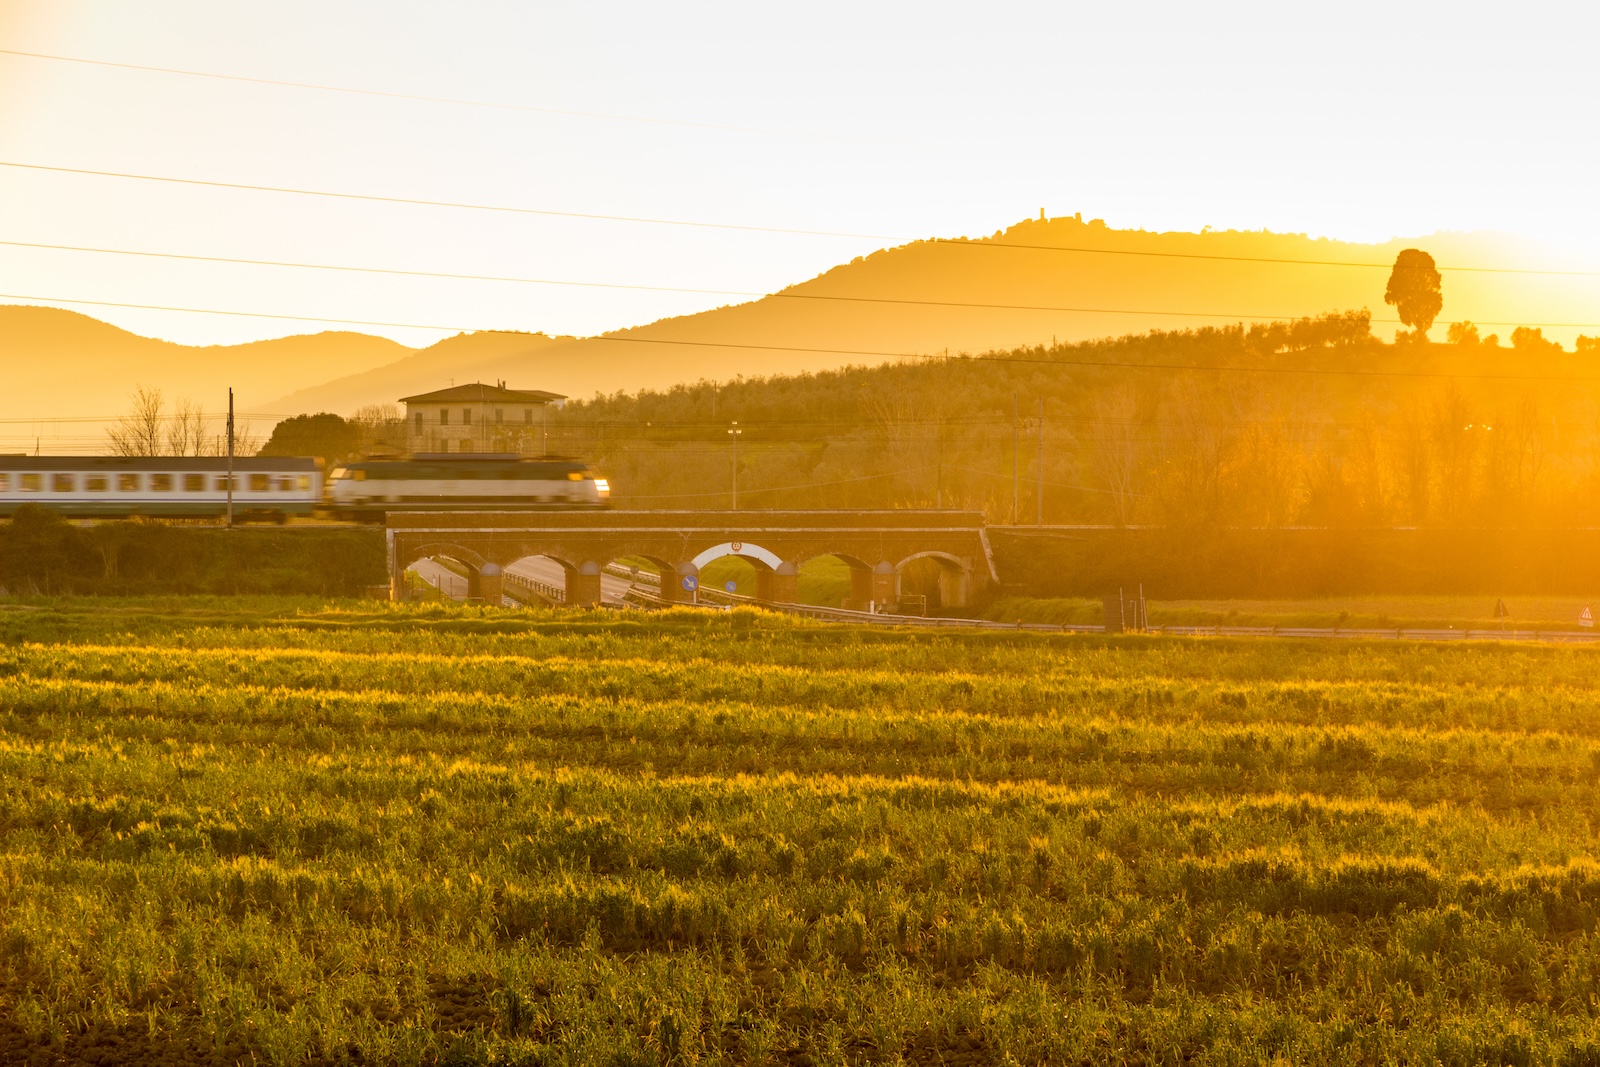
(1039, 501)
(938, 485)
(735, 433)
(1014, 457)
(544, 410)
(230, 457)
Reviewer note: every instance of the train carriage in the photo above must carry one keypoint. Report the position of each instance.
(456, 481)
(106, 487)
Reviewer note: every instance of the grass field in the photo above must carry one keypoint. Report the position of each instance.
(287, 832)
(1537, 612)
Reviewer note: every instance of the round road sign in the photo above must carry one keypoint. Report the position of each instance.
(731, 586)
(690, 583)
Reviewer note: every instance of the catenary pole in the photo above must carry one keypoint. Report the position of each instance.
(1014, 439)
(734, 433)
(1039, 497)
(230, 457)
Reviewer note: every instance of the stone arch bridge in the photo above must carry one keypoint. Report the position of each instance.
(875, 545)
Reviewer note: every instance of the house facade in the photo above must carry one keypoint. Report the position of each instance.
(479, 418)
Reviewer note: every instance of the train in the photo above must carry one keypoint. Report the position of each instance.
(278, 488)
(111, 487)
(462, 481)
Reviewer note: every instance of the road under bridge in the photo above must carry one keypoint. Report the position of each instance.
(874, 544)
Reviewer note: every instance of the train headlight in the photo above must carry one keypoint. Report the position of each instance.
(602, 487)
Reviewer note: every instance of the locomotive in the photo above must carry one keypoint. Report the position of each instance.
(462, 481)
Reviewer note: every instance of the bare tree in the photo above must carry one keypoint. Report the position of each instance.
(382, 428)
(138, 433)
(1117, 448)
(186, 431)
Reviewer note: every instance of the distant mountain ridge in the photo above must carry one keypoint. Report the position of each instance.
(1011, 289)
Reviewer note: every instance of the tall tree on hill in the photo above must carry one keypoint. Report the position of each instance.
(1415, 291)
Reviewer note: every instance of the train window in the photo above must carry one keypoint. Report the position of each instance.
(574, 476)
(161, 483)
(127, 483)
(62, 482)
(32, 483)
(194, 483)
(302, 482)
(95, 483)
(222, 483)
(444, 416)
(5, 481)
(260, 483)
(286, 483)
(359, 475)
(466, 416)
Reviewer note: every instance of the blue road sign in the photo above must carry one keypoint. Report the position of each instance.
(731, 586)
(690, 583)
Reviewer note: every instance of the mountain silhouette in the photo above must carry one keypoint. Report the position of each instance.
(1117, 282)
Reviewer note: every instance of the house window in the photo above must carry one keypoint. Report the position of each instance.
(444, 416)
(63, 483)
(527, 416)
(32, 483)
(94, 483)
(194, 483)
(260, 483)
(466, 446)
(499, 414)
(127, 483)
(161, 483)
(466, 416)
(419, 424)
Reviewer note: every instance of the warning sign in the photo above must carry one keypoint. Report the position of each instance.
(1500, 609)
(1586, 619)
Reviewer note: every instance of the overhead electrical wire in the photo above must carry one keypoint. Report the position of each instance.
(457, 204)
(929, 357)
(781, 295)
(373, 270)
(750, 228)
(421, 98)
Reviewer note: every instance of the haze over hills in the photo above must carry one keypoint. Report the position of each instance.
(914, 299)
(1108, 274)
(61, 363)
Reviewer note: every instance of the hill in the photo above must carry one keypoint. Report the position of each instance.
(61, 363)
(930, 296)
(926, 297)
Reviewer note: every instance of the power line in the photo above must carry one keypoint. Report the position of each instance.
(443, 203)
(865, 352)
(1253, 259)
(973, 305)
(250, 314)
(420, 98)
(1120, 364)
(748, 228)
(374, 270)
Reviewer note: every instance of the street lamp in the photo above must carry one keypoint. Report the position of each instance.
(734, 433)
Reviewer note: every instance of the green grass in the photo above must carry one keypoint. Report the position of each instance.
(1367, 612)
(355, 832)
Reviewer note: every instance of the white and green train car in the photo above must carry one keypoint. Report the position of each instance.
(462, 481)
(107, 487)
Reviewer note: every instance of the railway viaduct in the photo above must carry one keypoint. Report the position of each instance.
(875, 545)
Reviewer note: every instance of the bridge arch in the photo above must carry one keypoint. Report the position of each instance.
(954, 575)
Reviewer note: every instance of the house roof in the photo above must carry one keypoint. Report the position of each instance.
(479, 392)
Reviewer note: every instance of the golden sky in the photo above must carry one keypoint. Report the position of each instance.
(1361, 121)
